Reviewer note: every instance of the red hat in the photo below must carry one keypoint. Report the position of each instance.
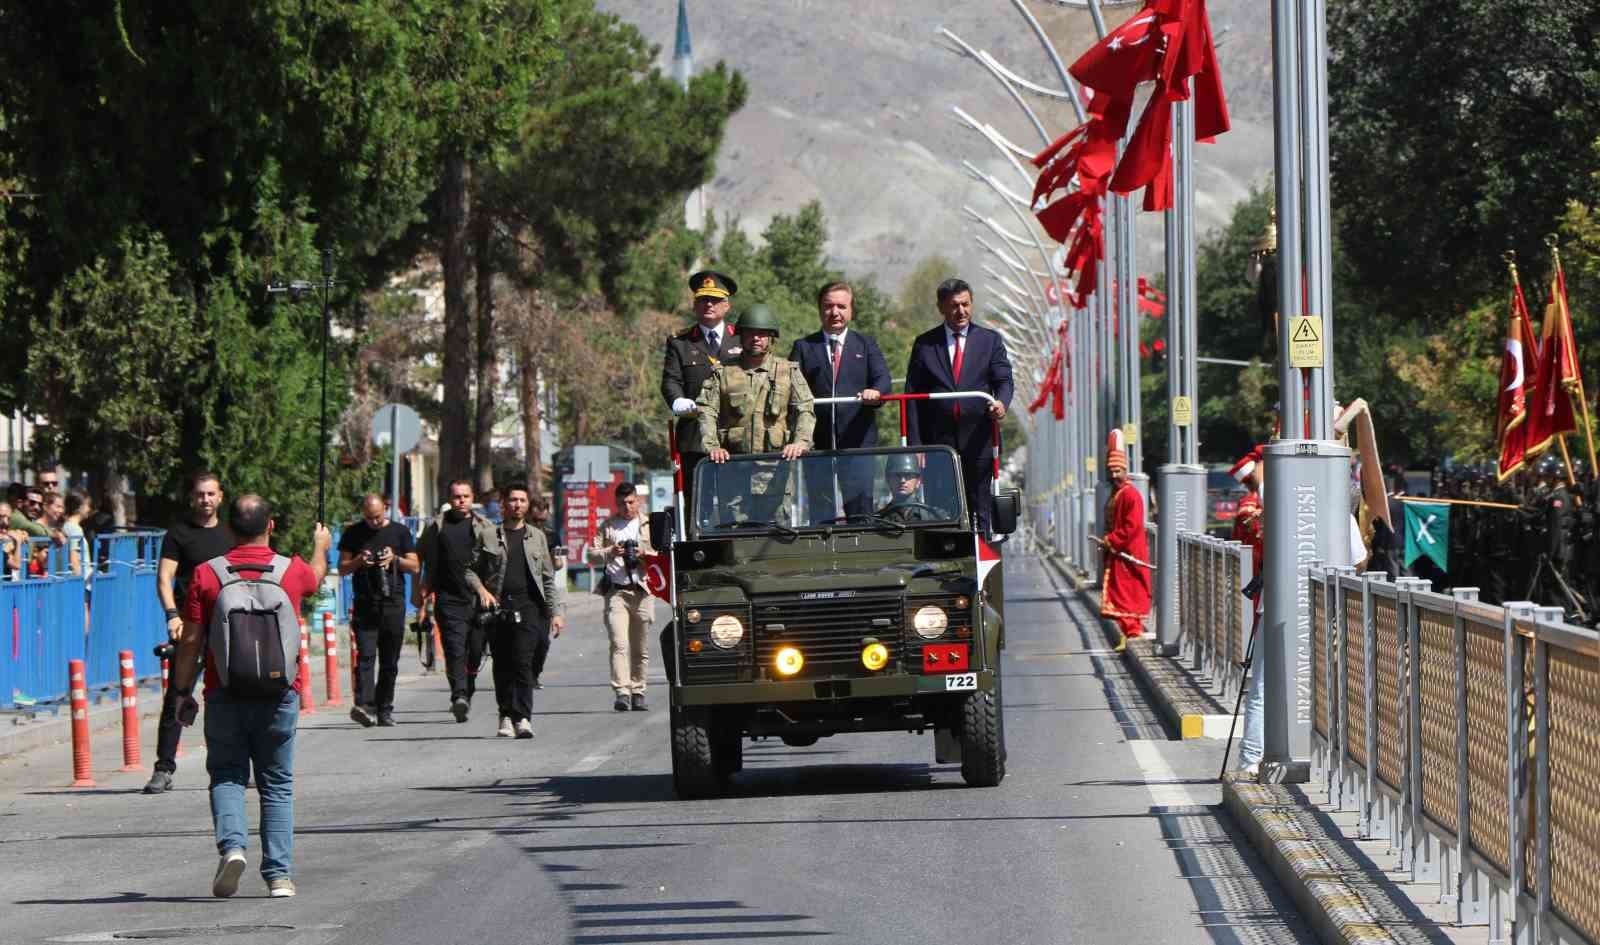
(1116, 457)
(1244, 467)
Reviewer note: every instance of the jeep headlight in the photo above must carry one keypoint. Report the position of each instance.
(930, 622)
(727, 631)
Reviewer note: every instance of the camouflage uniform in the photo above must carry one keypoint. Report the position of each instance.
(757, 408)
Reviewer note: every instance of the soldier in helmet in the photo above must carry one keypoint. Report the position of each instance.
(904, 477)
(757, 404)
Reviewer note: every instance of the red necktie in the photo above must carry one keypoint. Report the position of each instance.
(834, 352)
(955, 371)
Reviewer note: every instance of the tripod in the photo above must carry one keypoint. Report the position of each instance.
(1574, 600)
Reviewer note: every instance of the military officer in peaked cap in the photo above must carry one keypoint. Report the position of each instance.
(691, 356)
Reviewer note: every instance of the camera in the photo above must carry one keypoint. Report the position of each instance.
(165, 650)
(375, 574)
(630, 554)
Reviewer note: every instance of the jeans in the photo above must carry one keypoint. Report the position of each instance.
(463, 636)
(1254, 702)
(514, 646)
(380, 628)
(241, 734)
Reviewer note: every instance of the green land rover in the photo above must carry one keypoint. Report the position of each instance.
(841, 592)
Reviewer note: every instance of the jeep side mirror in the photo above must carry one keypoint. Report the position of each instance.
(1004, 519)
(661, 528)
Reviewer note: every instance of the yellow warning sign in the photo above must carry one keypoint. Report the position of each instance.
(1182, 411)
(1089, 464)
(1305, 341)
(1130, 433)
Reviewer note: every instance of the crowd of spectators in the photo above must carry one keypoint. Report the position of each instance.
(41, 510)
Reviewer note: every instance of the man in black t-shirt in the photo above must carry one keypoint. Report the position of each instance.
(377, 553)
(188, 543)
(452, 553)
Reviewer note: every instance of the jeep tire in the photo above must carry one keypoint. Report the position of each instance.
(694, 753)
(983, 758)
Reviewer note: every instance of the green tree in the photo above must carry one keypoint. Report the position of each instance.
(1453, 137)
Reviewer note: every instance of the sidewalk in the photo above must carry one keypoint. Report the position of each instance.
(1351, 891)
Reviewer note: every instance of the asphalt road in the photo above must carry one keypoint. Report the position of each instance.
(436, 833)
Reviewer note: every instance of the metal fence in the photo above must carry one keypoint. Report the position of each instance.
(1465, 735)
(1215, 616)
(108, 604)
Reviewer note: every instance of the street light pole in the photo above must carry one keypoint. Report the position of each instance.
(1307, 487)
(295, 289)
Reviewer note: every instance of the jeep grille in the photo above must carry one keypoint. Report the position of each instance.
(828, 631)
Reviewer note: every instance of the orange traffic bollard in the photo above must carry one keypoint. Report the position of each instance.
(330, 645)
(130, 713)
(82, 771)
(308, 704)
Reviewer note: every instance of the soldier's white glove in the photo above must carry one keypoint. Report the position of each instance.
(683, 406)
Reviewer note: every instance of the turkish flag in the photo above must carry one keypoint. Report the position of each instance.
(1128, 55)
(1516, 376)
(658, 575)
(1550, 412)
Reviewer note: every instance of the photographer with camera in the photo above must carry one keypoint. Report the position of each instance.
(377, 553)
(523, 576)
(621, 544)
(189, 543)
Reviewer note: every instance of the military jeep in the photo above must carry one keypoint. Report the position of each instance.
(842, 592)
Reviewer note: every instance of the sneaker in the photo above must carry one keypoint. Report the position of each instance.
(363, 715)
(280, 888)
(226, 882)
(537, 684)
(459, 708)
(159, 783)
(621, 705)
(638, 703)
(505, 729)
(386, 719)
(524, 728)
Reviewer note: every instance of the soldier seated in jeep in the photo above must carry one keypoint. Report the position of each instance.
(906, 500)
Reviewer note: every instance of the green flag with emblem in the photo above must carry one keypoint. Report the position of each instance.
(1428, 533)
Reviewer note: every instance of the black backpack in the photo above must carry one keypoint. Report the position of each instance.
(254, 634)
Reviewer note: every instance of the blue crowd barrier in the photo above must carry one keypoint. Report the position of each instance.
(109, 605)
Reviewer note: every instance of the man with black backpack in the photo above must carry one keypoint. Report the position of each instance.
(243, 613)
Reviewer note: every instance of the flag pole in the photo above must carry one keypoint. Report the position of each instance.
(1583, 397)
(1566, 458)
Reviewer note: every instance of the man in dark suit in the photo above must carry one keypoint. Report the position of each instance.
(689, 359)
(838, 362)
(960, 356)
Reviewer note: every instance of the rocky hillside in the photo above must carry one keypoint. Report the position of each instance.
(851, 104)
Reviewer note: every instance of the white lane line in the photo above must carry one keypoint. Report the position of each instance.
(1163, 783)
(612, 748)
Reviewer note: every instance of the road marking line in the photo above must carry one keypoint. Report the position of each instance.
(611, 748)
(1159, 778)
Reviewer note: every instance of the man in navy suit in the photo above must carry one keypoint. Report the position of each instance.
(960, 356)
(838, 362)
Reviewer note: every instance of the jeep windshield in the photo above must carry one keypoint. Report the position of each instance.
(890, 489)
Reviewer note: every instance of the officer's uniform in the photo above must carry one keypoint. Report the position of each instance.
(757, 409)
(688, 360)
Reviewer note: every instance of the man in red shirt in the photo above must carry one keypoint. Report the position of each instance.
(241, 733)
(1248, 526)
(1125, 588)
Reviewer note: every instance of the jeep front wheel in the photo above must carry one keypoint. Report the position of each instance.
(983, 759)
(695, 771)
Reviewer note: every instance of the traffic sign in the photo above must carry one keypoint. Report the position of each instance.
(1130, 433)
(1182, 411)
(1305, 341)
(396, 425)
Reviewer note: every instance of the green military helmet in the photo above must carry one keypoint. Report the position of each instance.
(903, 464)
(758, 316)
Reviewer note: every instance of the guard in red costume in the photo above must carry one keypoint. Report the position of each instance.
(1125, 589)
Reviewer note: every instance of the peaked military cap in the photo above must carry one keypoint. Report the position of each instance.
(714, 284)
